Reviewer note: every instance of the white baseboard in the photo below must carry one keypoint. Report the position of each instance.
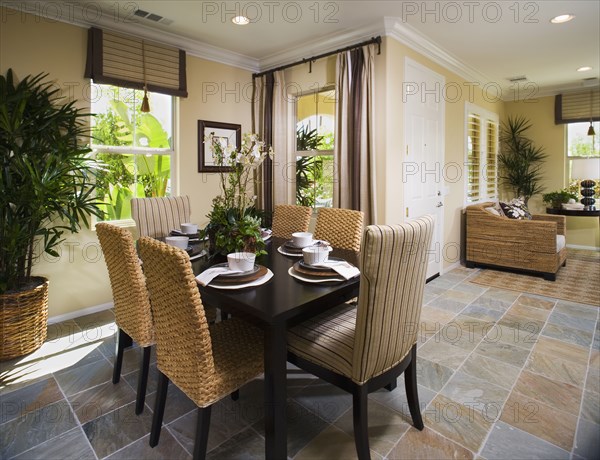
(78, 313)
(449, 268)
(578, 246)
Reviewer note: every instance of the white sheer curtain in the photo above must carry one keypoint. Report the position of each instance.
(354, 150)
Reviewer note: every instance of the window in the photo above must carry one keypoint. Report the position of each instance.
(136, 148)
(579, 145)
(481, 162)
(315, 123)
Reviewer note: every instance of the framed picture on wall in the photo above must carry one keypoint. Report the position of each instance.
(228, 134)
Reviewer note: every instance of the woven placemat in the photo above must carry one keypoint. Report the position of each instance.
(577, 282)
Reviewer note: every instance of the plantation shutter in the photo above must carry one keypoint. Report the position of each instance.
(491, 167)
(577, 107)
(130, 62)
(473, 157)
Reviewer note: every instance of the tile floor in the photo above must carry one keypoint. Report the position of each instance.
(501, 374)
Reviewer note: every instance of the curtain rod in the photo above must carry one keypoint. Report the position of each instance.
(310, 60)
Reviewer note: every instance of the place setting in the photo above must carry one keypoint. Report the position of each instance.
(240, 271)
(317, 267)
(186, 238)
(299, 241)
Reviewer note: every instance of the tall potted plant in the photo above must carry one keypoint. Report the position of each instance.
(45, 190)
(520, 161)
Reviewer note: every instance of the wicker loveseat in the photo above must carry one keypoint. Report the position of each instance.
(536, 245)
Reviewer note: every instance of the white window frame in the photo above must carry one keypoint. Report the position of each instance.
(309, 153)
(132, 150)
(486, 117)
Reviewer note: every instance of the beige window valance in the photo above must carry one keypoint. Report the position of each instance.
(577, 107)
(125, 60)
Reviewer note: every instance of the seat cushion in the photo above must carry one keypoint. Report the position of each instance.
(561, 242)
(327, 339)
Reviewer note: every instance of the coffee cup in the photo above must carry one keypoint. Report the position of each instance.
(302, 239)
(241, 261)
(315, 254)
(189, 229)
(180, 242)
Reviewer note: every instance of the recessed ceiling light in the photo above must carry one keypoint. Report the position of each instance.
(585, 68)
(562, 18)
(240, 20)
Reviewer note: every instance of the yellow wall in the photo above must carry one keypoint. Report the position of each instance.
(581, 231)
(30, 45)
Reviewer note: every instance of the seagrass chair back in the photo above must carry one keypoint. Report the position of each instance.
(288, 219)
(342, 228)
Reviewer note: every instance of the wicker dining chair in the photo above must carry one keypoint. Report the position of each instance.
(206, 362)
(366, 348)
(288, 219)
(342, 228)
(131, 302)
(156, 217)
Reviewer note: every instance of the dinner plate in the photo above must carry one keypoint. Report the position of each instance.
(314, 279)
(254, 270)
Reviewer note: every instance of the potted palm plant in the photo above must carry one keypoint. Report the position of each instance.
(520, 160)
(46, 189)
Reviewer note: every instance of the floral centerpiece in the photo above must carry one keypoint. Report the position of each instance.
(234, 222)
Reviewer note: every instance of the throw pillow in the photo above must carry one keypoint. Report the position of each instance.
(516, 209)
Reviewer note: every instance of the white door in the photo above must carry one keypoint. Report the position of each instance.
(423, 165)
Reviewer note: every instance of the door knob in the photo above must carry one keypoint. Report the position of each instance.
(439, 205)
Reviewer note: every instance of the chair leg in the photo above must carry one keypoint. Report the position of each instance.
(202, 433)
(159, 408)
(235, 395)
(142, 380)
(392, 385)
(412, 394)
(361, 422)
(123, 341)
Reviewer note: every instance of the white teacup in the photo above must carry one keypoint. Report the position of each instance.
(180, 242)
(302, 239)
(241, 261)
(315, 254)
(189, 229)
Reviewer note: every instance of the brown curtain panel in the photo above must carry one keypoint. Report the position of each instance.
(354, 147)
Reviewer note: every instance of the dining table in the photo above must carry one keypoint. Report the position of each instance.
(275, 306)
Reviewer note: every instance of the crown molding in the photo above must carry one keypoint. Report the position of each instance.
(410, 37)
(71, 13)
(322, 45)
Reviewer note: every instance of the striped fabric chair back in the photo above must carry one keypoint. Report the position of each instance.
(393, 269)
(156, 217)
(288, 219)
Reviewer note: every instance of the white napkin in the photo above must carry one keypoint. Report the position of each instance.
(343, 268)
(211, 273)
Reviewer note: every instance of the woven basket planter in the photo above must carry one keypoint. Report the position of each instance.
(23, 320)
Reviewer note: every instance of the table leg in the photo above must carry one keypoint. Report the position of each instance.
(275, 393)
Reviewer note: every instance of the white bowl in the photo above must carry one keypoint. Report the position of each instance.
(302, 239)
(315, 254)
(189, 229)
(180, 242)
(241, 261)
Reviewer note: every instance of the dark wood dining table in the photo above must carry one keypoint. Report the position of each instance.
(275, 306)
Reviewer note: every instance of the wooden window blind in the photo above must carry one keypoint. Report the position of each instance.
(131, 62)
(577, 107)
(491, 167)
(473, 166)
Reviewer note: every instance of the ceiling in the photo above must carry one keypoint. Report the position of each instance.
(486, 41)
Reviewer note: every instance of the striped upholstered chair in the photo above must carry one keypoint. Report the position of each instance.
(343, 228)
(206, 362)
(131, 302)
(156, 217)
(288, 219)
(365, 348)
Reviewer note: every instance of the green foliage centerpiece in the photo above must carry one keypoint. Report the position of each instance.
(234, 222)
